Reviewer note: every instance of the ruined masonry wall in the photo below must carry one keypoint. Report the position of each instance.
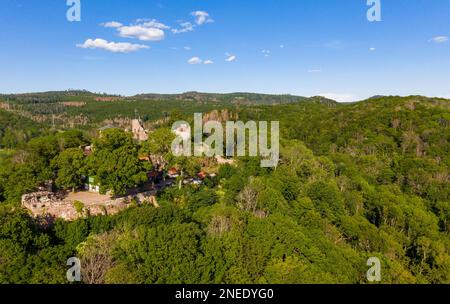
(48, 204)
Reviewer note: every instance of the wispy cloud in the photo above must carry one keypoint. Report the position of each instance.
(195, 60)
(266, 53)
(314, 71)
(115, 47)
(439, 39)
(202, 17)
(112, 24)
(185, 28)
(198, 60)
(372, 49)
(230, 57)
(153, 23)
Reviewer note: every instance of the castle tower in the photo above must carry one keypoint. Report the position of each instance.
(137, 127)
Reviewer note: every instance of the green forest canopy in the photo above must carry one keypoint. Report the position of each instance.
(355, 181)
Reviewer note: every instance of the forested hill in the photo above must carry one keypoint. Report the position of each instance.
(16, 130)
(240, 97)
(383, 125)
(355, 181)
(84, 109)
(235, 98)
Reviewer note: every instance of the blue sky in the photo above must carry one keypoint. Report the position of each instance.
(303, 47)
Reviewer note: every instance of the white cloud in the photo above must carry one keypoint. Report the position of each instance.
(202, 17)
(281, 46)
(112, 24)
(187, 48)
(230, 58)
(315, 71)
(439, 39)
(195, 60)
(340, 97)
(115, 47)
(141, 32)
(153, 23)
(185, 27)
(266, 53)
(372, 49)
(145, 29)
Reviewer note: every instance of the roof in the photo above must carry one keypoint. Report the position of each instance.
(202, 175)
(173, 171)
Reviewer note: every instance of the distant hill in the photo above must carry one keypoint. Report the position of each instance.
(323, 100)
(83, 108)
(377, 97)
(234, 98)
(240, 98)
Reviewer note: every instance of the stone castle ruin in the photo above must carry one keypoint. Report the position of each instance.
(137, 128)
(139, 133)
(50, 205)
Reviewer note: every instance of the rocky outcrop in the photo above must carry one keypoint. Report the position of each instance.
(221, 116)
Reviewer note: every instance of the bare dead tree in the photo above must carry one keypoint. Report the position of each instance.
(248, 199)
(96, 258)
(219, 225)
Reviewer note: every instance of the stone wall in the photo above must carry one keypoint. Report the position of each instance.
(49, 205)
